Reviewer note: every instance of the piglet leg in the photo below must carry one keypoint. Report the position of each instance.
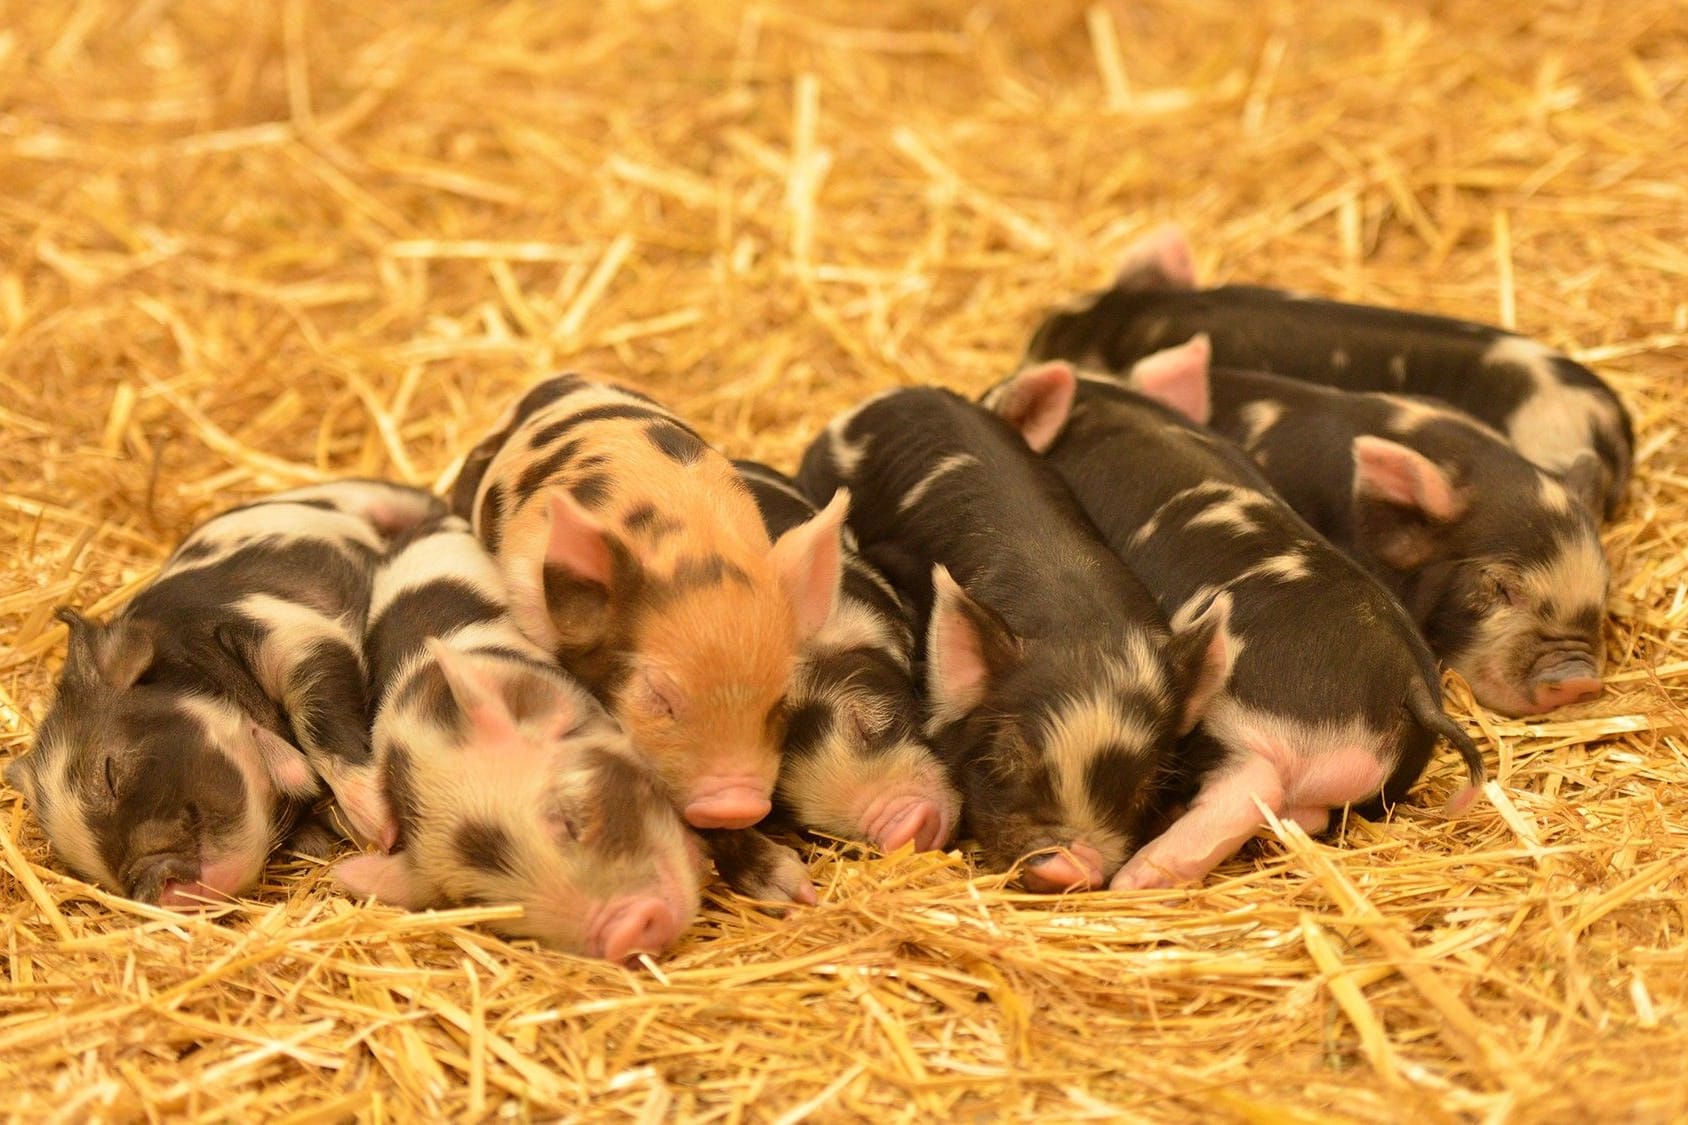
(756, 867)
(1219, 821)
(310, 665)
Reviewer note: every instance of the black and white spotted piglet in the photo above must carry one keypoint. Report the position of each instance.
(1333, 698)
(1557, 413)
(509, 782)
(1496, 561)
(191, 729)
(1056, 691)
(855, 765)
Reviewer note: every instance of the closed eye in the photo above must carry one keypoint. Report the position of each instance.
(110, 779)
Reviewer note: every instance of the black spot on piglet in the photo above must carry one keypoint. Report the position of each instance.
(485, 847)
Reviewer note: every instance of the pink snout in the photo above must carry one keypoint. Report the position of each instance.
(646, 924)
(727, 803)
(892, 823)
(1076, 867)
(1549, 695)
(189, 895)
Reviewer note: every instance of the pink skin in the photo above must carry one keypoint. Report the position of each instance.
(634, 925)
(219, 881)
(895, 819)
(727, 802)
(1553, 694)
(1076, 867)
(1224, 814)
(1160, 258)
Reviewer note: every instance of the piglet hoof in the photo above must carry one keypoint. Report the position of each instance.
(756, 867)
(782, 877)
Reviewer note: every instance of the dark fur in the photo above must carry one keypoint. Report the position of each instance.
(1051, 594)
(1259, 329)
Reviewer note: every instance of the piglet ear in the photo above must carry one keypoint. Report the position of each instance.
(283, 763)
(1037, 401)
(967, 643)
(1160, 259)
(1402, 500)
(478, 695)
(1201, 653)
(810, 562)
(1394, 474)
(388, 878)
(1178, 378)
(118, 653)
(1585, 480)
(578, 544)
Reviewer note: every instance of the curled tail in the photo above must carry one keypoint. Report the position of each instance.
(1432, 718)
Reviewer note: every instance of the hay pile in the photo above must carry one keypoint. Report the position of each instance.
(244, 246)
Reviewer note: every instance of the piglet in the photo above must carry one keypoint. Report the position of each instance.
(635, 553)
(191, 729)
(1056, 692)
(855, 765)
(1333, 698)
(1494, 559)
(1557, 413)
(509, 782)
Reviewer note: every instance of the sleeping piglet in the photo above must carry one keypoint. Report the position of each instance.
(509, 782)
(1495, 559)
(1333, 698)
(1056, 692)
(191, 729)
(1557, 413)
(635, 553)
(855, 764)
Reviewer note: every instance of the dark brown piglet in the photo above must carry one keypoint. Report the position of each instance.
(1557, 413)
(1055, 690)
(1333, 697)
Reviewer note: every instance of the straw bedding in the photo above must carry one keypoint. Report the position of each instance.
(245, 246)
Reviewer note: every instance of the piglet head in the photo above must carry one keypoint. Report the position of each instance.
(855, 764)
(711, 662)
(154, 791)
(540, 802)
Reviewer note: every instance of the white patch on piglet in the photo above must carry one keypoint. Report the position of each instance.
(1557, 421)
(953, 463)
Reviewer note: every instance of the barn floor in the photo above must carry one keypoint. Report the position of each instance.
(246, 246)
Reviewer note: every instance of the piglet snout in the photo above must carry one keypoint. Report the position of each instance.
(1076, 867)
(896, 821)
(646, 924)
(160, 878)
(727, 803)
(1570, 681)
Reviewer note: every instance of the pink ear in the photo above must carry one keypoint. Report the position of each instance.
(1178, 378)
(1160, 259)
(577, 543)
(384, 877)
(285, 766)
(477, 693)
(959, 649)
(1387, 471)
(810, 561)
(1037, 401)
